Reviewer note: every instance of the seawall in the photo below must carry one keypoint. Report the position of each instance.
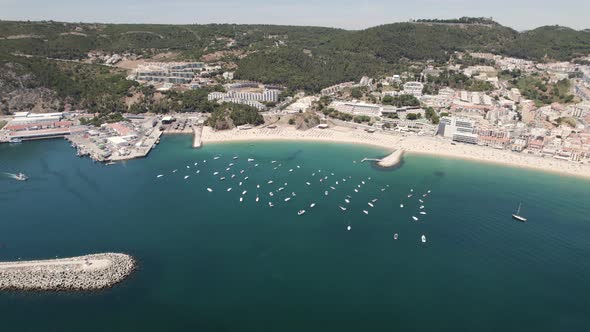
(90, 272)
(393, 159)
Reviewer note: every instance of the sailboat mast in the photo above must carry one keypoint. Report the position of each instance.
(518, 212)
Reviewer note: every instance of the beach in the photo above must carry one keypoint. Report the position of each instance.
(435, 146)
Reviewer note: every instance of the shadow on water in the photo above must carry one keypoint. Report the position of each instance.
(63, 181)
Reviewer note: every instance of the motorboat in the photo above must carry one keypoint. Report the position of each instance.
(415, 219)
(209, 190)
(312, 205)
(342, 208)
(395, 236)
(21, 177)
(300, 212)
(160, 175)
(365, 212)
(423, 238)
(287, 199)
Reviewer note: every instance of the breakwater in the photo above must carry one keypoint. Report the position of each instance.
(393, 159)
(90, 272)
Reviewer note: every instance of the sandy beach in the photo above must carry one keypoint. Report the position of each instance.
(435, 146)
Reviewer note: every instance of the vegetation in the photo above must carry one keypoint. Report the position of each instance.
(431, 115)
(361, 118)
(332, 113)
(537, 88)
(229, 115)
(401, 100)
(568, 121)
(456, 80)
(2, 124)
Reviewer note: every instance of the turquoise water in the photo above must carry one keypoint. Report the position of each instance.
(209, 262)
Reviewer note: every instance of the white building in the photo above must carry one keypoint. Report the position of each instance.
(413, 88)
(459, 129)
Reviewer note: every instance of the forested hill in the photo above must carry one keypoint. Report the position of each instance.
(307, 58)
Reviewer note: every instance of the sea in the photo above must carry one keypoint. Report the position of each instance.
(208, 261)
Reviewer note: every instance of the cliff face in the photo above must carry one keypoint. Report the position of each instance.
(19, 92)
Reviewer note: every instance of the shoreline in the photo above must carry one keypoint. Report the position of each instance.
(420, 145)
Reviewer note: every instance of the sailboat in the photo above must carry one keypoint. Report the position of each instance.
(517, 215)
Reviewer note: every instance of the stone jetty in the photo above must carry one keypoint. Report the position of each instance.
(90, 272)
(393, 159)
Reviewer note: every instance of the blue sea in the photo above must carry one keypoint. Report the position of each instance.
(210, 262)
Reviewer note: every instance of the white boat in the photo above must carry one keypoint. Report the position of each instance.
(209, 190)
(250, 160)
(160, 175)
(222, 178)
(271, 193)
(235, 157)
(196, 164)
(326, 193)
(246, 178)
(307, 183)
(256, 165)
(356, 191)
(395, 236)
(348, 228)
(421, 207)
(374, 200)
(342, 208)
(198, 171)
(312, 205)
(347, 201)
(240, 184)
(410, 195)
(291, 170)
(241, 199)
(298, 166)
(293, 194)
(517, 215)
(285, 184)
(423, 239)
(401, 206)
(365, 212)
(230, 164)
(15, 140)
(257, 198)
(382, 189)
(215, 158)
(421, 201)
(332, 188)
(227, 169)
(174, 171)
(312, 174)
(280, 189)
(428, 191)
(411, 190)
(287, 199)
(270, 204)
(242, 172)
(186, 177)
(370, 204)
(269, 182)
(215, 173)
(21, 177)
(336, 182)
(363, 182)
(415, 219)
(228, 189)
(274, 161)
(300, 212)
(188, 167)
(244, 192)
(258, 186)
(422, 212)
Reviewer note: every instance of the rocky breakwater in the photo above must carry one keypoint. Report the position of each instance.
(90, 272)
(393, 159)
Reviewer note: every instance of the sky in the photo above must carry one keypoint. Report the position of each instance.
(347, 14)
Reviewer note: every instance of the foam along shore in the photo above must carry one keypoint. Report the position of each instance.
(90, 272)
(436, 146)
(393, 159)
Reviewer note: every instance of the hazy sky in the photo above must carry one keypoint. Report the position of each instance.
(348, 14)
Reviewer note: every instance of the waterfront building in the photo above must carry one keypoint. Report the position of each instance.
(335, 88)
(356, 108)
(459, 129)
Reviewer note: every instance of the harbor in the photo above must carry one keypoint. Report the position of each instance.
(83, 273)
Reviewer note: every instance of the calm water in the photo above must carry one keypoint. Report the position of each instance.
(211, 263)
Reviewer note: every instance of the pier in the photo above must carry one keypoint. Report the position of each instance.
(90, 272)
(197, 132)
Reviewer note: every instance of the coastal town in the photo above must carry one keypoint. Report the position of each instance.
(481, 100)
